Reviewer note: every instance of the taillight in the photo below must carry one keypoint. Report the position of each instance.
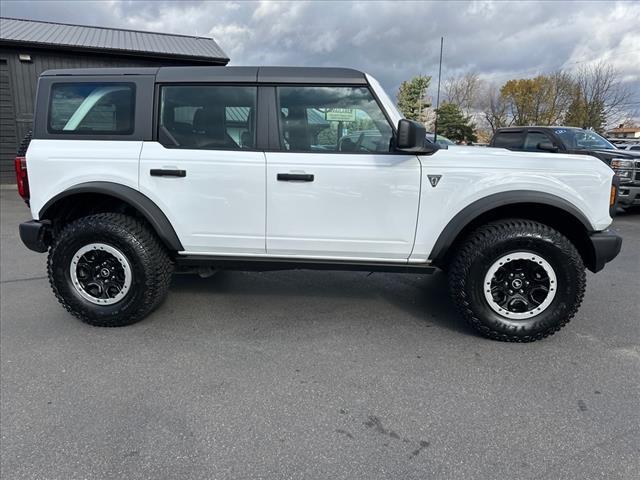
(22, 179)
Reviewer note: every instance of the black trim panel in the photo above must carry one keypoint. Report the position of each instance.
(219, 73)
(606, 246)
(35, 235)
(266, 135)
(207, 74)
(260, 264)
(483, 205)
(310, 75)
(140, 202)
(67, 72)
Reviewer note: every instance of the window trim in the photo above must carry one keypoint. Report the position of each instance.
(99, 134)
(280, 147)
(157, 108)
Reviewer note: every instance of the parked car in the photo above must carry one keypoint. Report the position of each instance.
(133, 173)
(440, 140)
(626, 163)
(364, 138)
(632, 147)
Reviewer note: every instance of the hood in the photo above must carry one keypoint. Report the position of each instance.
(608, 154)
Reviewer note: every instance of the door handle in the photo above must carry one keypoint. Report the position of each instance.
(295, 177)
(165, 172)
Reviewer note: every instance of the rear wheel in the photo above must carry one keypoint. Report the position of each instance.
(109, 269)
(517, 280)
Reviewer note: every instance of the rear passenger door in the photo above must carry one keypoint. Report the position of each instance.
(204, 170)
(335, 187)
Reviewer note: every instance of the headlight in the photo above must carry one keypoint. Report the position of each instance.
(621, 163)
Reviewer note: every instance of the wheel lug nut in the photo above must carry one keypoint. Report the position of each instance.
(510, 292)
(521, 291)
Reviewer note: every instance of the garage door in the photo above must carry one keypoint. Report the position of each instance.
(8, 134)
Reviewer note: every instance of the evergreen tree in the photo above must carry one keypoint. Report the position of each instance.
(452, 123)
(411, 101)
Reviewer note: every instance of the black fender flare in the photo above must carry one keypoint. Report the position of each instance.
(149, 210)
(472, 211)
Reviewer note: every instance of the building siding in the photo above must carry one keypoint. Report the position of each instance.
(18, 94)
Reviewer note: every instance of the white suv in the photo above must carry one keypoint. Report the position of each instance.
(132, 173)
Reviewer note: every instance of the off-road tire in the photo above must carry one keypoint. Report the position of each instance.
(488, 243)
(150, 264)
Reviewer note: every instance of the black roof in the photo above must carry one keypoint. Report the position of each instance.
(62, 36)
(230, 74)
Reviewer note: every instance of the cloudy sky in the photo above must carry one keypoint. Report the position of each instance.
(390, 39)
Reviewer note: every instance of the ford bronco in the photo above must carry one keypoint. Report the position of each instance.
(134, 173)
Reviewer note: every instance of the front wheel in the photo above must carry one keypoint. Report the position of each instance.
(109, 269)
(517, 280)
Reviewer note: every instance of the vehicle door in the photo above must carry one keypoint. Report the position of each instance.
(336, 189)
(204, 171)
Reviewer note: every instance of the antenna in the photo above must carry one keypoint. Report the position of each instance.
(435, 127)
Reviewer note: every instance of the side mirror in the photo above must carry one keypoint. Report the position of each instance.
(412, 138)
(547, 147)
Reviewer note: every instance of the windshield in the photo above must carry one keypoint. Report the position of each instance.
(578, 139)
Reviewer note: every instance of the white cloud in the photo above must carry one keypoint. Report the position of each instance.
(392, 40)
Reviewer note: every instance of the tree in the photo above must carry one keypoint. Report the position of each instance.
(495, 109)
(452, 123)
(464, 91)
(599, 97)
(411, 98)
(542, 100)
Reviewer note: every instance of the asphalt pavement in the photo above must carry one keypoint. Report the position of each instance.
(314, 375)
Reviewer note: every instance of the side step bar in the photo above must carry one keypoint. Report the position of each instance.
(267, 264)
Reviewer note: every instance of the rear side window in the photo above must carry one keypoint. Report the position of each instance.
(92, 108)
(332, 119)
(208, 117)
(508, 140)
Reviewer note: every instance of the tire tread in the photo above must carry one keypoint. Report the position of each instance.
(159, 267)
(483, 238)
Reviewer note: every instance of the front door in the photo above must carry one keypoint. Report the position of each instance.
(204, 171)
(335, 190)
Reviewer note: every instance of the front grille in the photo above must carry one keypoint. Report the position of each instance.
(637, 177)
(637, 163)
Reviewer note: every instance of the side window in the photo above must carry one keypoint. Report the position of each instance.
(92, 108)
(533, 139)
(207, 116)
(332, 119)
(508, 140)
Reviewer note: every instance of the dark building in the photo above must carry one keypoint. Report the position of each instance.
(27, 48)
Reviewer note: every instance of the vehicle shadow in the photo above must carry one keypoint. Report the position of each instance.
(424, 297)
(629, 213)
